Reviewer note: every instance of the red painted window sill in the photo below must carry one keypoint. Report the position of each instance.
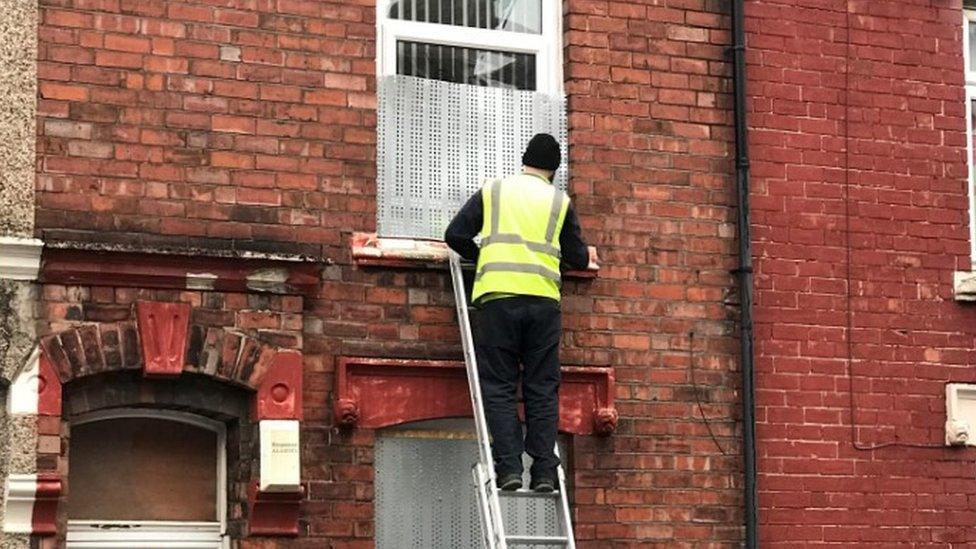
(369, 250)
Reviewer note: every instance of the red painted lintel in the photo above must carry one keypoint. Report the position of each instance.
(374, 393)
(148, 270)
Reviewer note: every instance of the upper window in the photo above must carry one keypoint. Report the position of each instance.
(463, 85)
(496, 43)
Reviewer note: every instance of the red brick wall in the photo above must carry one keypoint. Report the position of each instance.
(167, 143)
(650, 132)
(859, 219)
(212, 124)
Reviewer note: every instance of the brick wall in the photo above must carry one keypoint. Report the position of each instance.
(650, 132)
(184, 122)
(859, 219)
(240, 124)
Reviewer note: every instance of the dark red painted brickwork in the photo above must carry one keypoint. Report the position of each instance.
(860, 217)
(150, 121)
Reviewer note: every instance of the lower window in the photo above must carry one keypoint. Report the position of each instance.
(148, 478)
(425, 496)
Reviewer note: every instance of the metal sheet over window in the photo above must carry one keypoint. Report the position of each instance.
(509, 15)
(438, 141)
(425, 497)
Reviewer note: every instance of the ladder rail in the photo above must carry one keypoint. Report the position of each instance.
(485, 470)
(471, 362)
(564, 511)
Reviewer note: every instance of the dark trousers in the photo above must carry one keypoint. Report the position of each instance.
(508, 332)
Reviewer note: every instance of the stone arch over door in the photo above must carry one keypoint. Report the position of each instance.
(159, 350)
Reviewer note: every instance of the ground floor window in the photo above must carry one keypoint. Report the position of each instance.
(425, 496)
(146, 478)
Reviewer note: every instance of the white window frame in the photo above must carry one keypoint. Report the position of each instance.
(547, 46)
(969, 16)
(99, 534)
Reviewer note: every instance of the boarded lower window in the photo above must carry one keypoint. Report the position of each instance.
(425, 497)
(142, 469)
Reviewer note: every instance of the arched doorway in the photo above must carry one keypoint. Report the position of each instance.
(141, 478)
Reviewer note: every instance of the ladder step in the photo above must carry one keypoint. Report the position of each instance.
(537, 540)
(529, 494)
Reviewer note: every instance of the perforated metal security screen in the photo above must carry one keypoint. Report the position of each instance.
(425, 498)
(439, 140)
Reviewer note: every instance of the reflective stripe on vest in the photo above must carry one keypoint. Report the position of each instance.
(524, 262)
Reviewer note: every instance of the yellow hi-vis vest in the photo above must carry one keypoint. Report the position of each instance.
(523, 216)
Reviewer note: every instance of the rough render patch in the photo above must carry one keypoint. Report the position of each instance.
(19, 434)
(22, 431)
(14, 541)
(18, 90)
(4, 455)
(19, 454)
(17, 335)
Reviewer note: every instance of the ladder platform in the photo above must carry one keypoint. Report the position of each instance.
(537, 540)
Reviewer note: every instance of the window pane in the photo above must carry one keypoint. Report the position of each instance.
(491, 68)
(972, 45)
(142, 469)
(509, 15)
(972, 136)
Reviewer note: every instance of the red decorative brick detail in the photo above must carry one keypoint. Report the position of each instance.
(48, 388)
(162, 331)
(346, 412)
(44, 520)
(279, 394)
(92, 349)
(173, 271)
(373, 393)
(273, 513)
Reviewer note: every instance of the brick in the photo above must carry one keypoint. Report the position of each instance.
(326, 97)
(63, 92)
(118, 59)
(233, 124)
(222, 159)
(130, 44)
(90, 149)
(64, 128)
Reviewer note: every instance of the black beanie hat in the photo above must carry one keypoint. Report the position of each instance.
(542, 152)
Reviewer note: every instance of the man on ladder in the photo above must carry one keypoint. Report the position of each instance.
(528, 229)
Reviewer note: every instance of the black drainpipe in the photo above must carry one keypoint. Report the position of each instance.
(745, 273)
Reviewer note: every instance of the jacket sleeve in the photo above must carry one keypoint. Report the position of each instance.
(460, 234)
(575, 254)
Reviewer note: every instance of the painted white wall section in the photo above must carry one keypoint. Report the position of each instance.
(20, 492)
(22, 398)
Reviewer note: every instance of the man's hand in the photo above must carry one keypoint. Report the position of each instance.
(594, 260)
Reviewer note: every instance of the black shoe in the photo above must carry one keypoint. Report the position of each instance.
(543, 484)
(509, 482)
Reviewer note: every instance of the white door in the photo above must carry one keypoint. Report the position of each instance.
(146, 479)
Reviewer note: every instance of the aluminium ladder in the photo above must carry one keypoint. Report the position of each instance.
(489, 496)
